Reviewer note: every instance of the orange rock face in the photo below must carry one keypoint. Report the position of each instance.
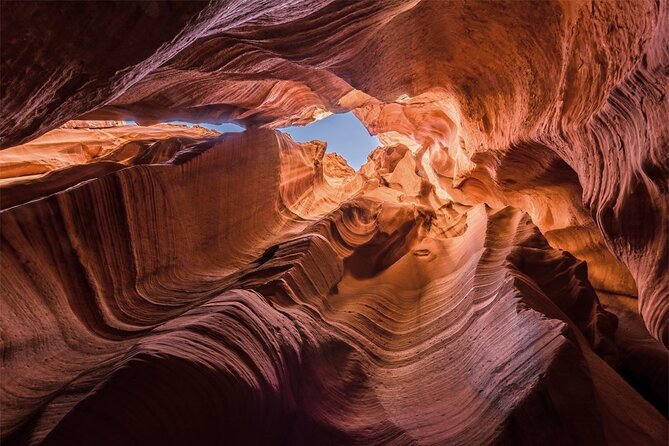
(496, 273)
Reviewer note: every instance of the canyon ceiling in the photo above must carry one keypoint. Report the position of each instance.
(496, 273)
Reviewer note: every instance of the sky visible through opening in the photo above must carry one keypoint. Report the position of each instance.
(343, 132)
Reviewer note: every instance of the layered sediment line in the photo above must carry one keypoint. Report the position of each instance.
(496, 273)
(388, 307)
(583, 81)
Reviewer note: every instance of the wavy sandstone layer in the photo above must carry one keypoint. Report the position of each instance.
(496, 273)
(379, 318)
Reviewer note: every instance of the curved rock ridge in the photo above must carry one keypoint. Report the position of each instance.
(370, 312)
(495, 274)
(81, 142)
(76, 152)
(213, 62)
(75, 124)
(582, 83)
(110, 278)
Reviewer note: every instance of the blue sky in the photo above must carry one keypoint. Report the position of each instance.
(343, 132)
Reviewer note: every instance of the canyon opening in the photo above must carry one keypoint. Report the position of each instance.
(328, 222)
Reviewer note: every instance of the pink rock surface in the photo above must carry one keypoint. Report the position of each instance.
(170, 285)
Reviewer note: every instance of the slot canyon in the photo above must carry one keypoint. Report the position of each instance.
(495, 273)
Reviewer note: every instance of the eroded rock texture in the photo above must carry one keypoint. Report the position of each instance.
(496, 273)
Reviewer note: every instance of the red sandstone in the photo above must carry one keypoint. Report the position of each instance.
(496, 273)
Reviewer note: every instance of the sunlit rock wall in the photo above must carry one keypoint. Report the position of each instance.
(495, 274)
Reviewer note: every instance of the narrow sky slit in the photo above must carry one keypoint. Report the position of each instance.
(344, 134)
(221, 128)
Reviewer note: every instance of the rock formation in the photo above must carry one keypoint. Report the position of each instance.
(496, 273)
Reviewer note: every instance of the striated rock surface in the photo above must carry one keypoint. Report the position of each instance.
(59, 159)
(356, 313)
(496, 273)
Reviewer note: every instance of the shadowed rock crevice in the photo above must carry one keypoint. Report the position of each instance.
(495, 273)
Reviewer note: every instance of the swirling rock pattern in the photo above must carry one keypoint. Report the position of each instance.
(496, 273)
(57, 160)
